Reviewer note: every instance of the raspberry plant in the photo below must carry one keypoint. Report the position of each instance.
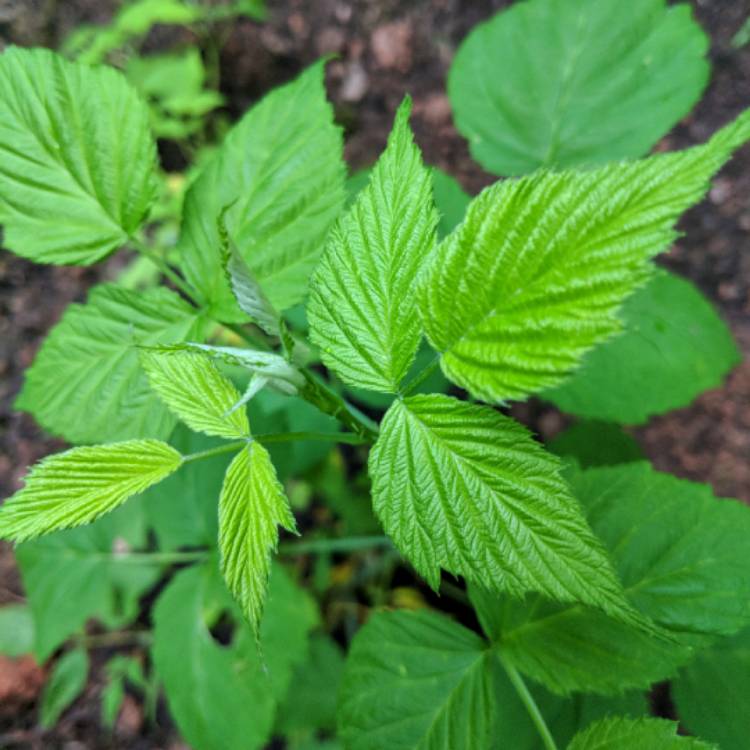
(589, 580)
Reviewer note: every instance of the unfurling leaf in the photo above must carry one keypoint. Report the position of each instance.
(196, 392)
(362, 308)
(77, 161)
(464, 488)
(536, 274)
(77, 486)
(251, 508)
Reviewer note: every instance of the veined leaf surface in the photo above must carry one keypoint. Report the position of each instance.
(618, 733)
(77, 160)
(535, 275)
(362, 308)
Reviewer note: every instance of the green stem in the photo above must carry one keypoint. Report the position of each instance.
(421, 376)
(528, 701)
(165, 269)
(226, 448)
(106, 640)
(334, 437)
(343, 544)
(158, 558)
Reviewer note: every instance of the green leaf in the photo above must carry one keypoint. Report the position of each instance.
(675, 346)
(16, 630)
(362, 308)
(310, 704)
(65, 684)
(282, 165)
(527, 85)
(680, 552)
(535, 275)
(681, 555)
(86, 383)
(79, 485)
(72, 576)
(203, 679)
(416, 680)
(596, 444)
(196, 392)
(251, 508)
(182, 510)
(575, 648)
(464, 488)
(710, 693)
(617, 733)
(77, 160)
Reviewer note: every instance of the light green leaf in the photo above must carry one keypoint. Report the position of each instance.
(16, 630)
(528, 85)
(77, 159)
(535, 275)
(247, 291)
(65, 684)
(79, 485)
(251, 508)
(203, 679)
(711, 692)
(196, 392)
(617, 733)
(86, 383)
(681, 555)
(674, 347)
(282, 165)
(71, 576)
(464, 488)
(593, 443)
(417, 681)
(362, 308)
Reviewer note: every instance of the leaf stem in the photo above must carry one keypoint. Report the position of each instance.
(528, 701)
(334, 437)
(119, 638)
(165, 269)
(158, 558)
(217, 451)
(342, 544)
(421, 376)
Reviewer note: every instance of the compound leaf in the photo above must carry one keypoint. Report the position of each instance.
(196, 392)
(464, 488)
(416, 680)
(282, 167)
(77, 486)
(710, 690)
(251, 508)
(527, 85)
(362, 309)
(617, 733)
(86, 383)
(536, 273)
(77, 160)
(674, 347)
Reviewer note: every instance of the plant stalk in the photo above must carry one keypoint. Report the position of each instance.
(529, 703)
(165, 269)
(343, 544)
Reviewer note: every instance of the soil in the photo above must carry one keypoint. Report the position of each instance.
(383, 50)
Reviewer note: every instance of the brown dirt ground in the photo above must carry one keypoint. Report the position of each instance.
(385, 49)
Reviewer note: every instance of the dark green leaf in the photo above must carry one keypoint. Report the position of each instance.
(65, 684)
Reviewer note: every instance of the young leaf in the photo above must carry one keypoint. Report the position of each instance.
(77, 159)
(675, 346)
(247, 291)
(710, 691)
(65, 684)
(535, 275)
(527, 85)
(251, 508)
(617, 733)
(196, 392)
(72, 576)
(86, 383)
(464, 488)
(282, 164)
(76, 487)
(362, 309)
(417, 680)
(203, 679)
